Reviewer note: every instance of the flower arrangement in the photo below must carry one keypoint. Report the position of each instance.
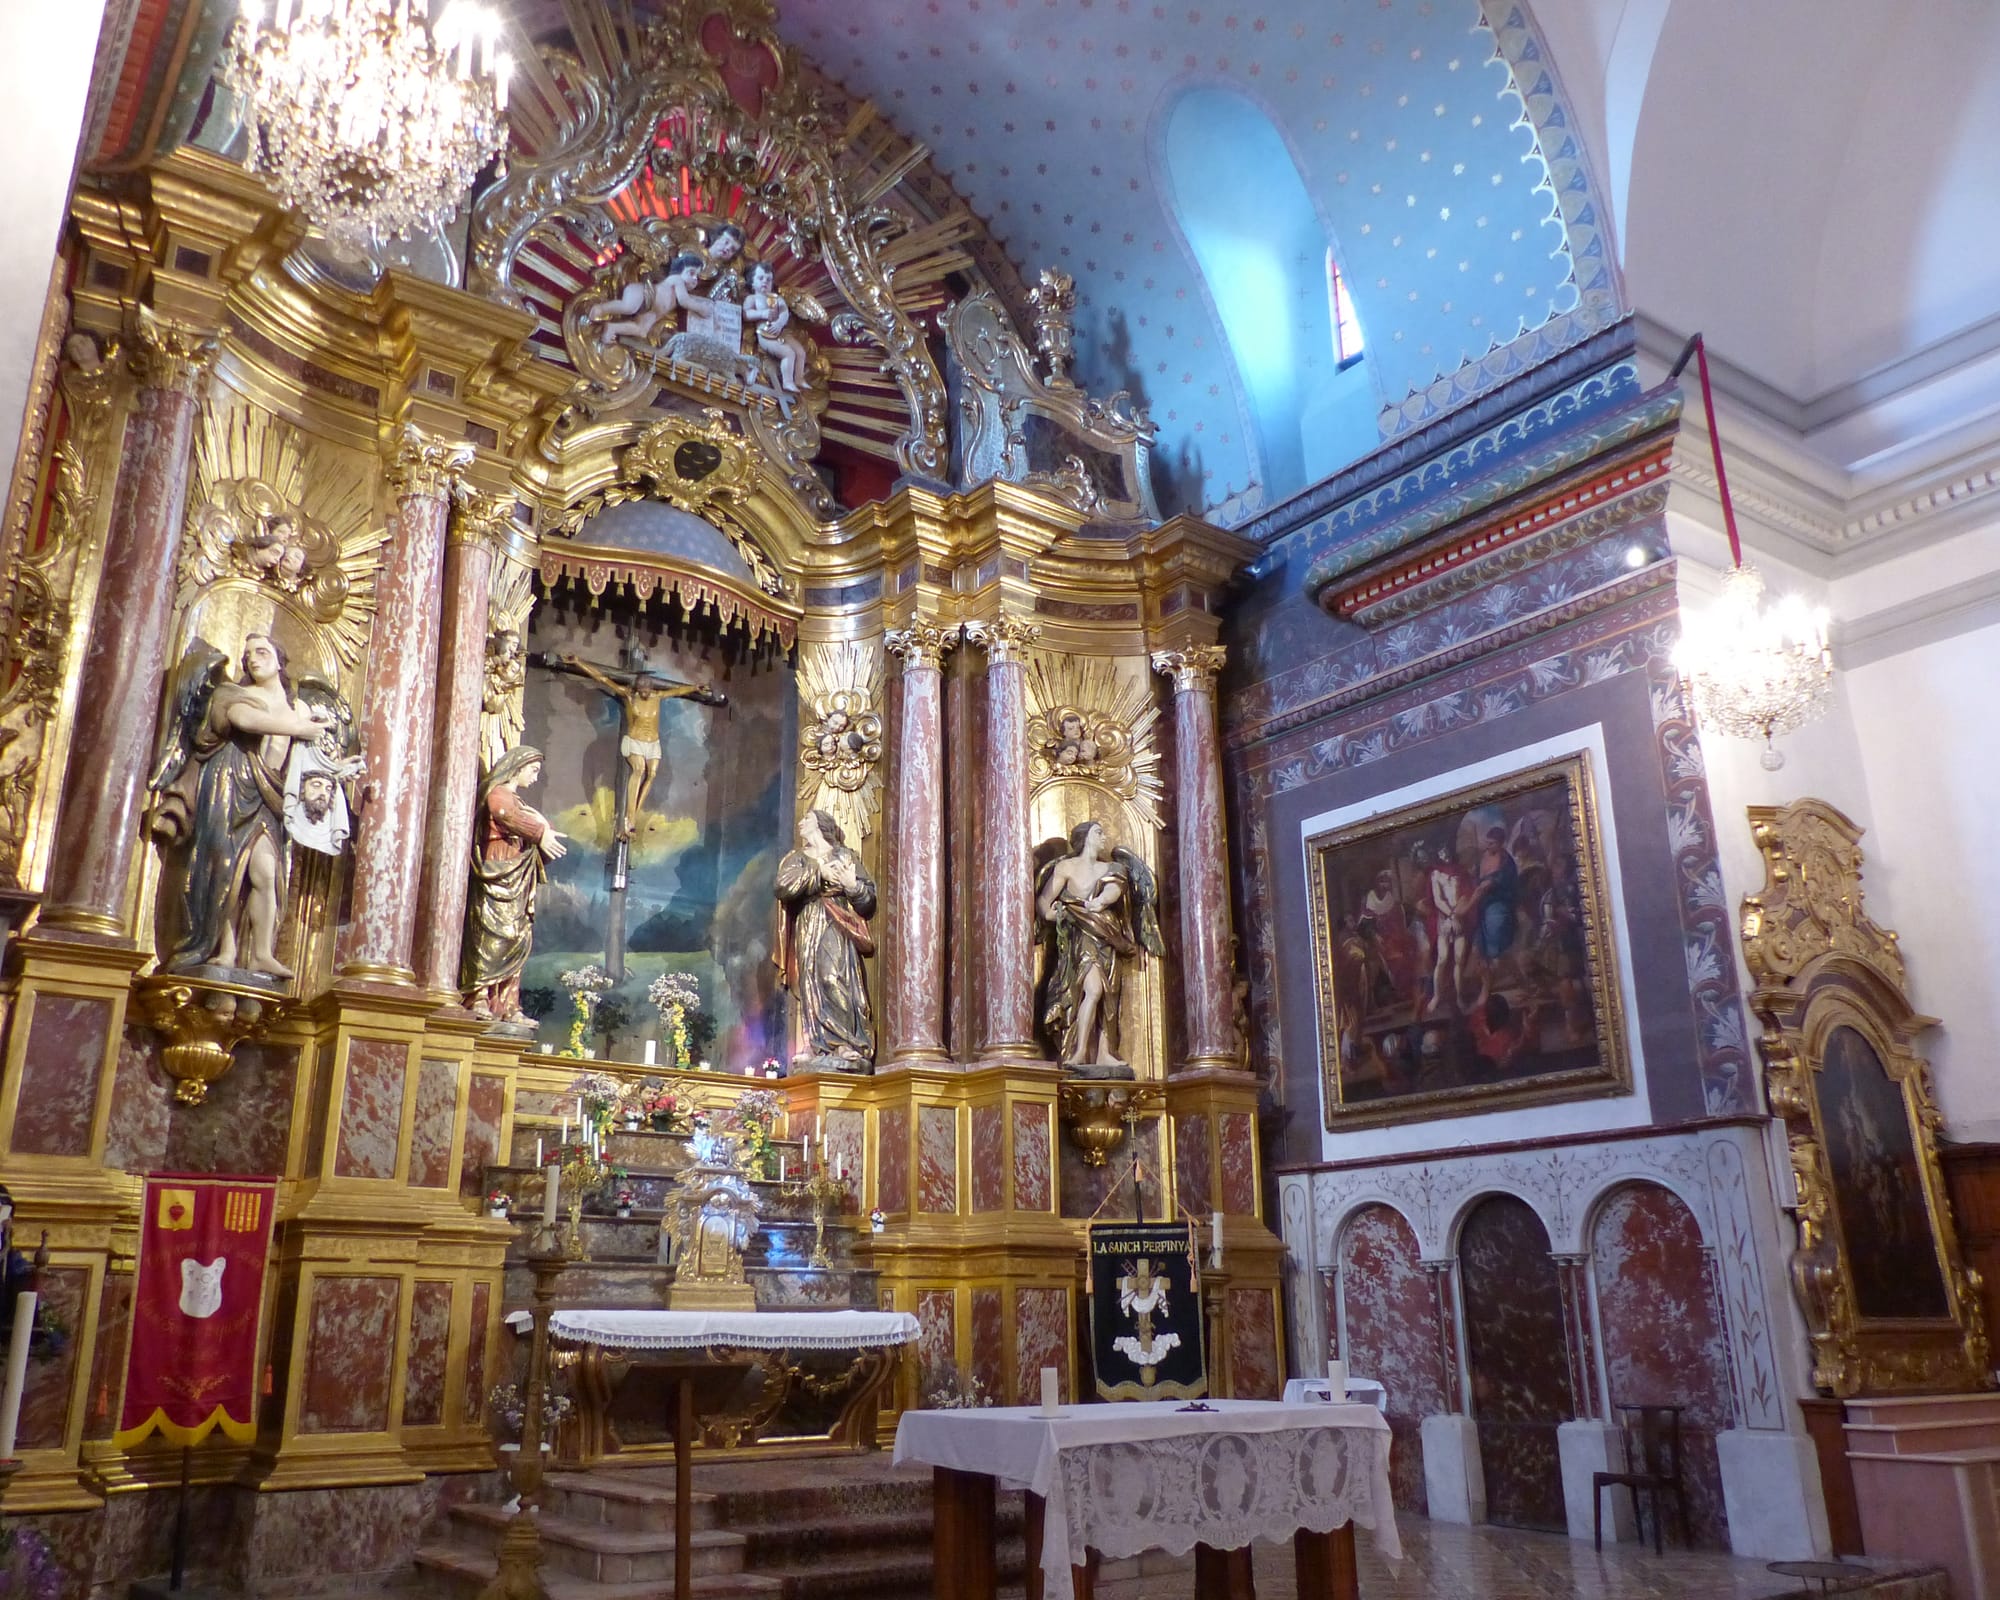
(953, 1390)
(496, 1202)
(625, 1199)
(510, 1408)
(586, 985)
(676, 995)
(753, 1119)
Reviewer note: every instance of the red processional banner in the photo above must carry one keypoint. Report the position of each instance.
(198, 1309)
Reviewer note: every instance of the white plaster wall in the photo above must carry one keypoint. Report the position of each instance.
(45, 55)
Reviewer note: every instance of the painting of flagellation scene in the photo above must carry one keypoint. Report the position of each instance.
(705, 821)
(1463, 953)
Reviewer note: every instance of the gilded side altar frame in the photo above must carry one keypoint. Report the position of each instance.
(1822, 965)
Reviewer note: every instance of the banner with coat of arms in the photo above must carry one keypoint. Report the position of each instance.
(1145, 1312)
(198, 1309)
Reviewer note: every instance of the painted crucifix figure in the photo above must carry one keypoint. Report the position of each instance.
(638, 689)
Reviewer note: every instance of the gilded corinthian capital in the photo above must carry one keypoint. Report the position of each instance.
(481, 516)
(423, 464)
(170, 355)
(1003, 639)
(1193, 669)
(922, 645)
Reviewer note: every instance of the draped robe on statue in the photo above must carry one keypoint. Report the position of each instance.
(507, 868)
(1087, 941)
(824, 937)
(230, 794)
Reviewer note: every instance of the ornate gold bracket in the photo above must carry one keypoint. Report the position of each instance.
(203, 1021)
(1100, 1114)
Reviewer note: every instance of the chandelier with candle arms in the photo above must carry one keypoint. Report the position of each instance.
(370, 118)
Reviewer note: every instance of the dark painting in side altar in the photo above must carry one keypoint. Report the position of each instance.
(713, 811)
(1463, 953)
(1878, 1186)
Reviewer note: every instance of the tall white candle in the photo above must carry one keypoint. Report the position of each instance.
(652, 1045)
(551, 1184)
(17, 1372)
(538, 1150)
(1051, 1392)
(1336, 1380)
(1215, 1241)
(565, 1130)
(503, 74)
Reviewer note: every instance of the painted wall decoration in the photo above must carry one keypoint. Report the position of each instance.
(697, 895)
(1462, 951)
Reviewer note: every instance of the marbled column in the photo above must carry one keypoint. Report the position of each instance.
(117, 702)
(1207, 967)
(914, 1005)
(400, 700)
(1006, 904)
(1579, 1337)
(468, 577)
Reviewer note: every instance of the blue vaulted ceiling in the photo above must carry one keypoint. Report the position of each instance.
(1430, 142)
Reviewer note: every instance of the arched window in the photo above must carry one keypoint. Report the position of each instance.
(1340, 305)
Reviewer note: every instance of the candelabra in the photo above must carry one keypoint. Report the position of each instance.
(582, 1171)
(519, 1576)
(822, 1188)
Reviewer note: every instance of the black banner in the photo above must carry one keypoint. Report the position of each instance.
(1145, 1312)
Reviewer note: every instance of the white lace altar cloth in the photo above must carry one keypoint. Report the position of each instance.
(730, 1330)
(1147, 1475)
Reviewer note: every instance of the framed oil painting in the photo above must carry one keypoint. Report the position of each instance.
(1462, 949)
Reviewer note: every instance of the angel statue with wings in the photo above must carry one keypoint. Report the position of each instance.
(1097, 909)
(246, 769)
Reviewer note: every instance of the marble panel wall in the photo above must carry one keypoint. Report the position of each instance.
(1085, 1187)
(45, 1393)
(430, 1338)
(1041, 1339)
(937, 1159)
(1033, 1179)
(371, 1109)
(1519, 1363)
(475, 1354)
(1391, 1334)
(107, 1361)
(1663, 1338)
(846, 1139)
(1191, 1162)
(988, 1341)
(937, 1338)
(485, 1110)
(67, 1035)
(989, 1158)
(245, 1124)
(431, 1127)
(135, 1134)
(892, 1173)
(350, 1354)
(1239, 1163)
(1256, 1370)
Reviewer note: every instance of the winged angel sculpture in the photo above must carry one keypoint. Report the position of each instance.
(1098, 909)
(247, 767)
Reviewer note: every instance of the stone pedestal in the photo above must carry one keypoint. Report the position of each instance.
(1585, 1448)
(1454, 1481)
(1770, 1494)
(1927, 1477)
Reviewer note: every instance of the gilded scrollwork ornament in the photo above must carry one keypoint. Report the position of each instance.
(1089, 723)
(171, 355)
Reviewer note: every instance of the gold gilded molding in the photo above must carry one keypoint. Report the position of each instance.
(1054, 300)
(689, 462)
(423, 465)
(203, 1022)
(921, 644)
(1890, 1306)
(481, 518)
(169, 355)
(1193, 669)
(1003, 639)
(840, 732)
(1090, 724)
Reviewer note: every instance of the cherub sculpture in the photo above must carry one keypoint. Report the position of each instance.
(1098, 909)
(643, 305)
(770, 312)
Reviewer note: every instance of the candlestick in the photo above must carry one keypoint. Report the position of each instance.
(17, 1371)
(551, 1186)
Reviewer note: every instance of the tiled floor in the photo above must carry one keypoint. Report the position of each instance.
(1443, 1562)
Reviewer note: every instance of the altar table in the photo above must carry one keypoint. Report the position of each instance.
(1117, 1479)
(684, 1347)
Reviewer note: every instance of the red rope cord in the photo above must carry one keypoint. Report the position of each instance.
(1700, 349)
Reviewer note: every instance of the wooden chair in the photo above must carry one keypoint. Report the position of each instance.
(1656, 1469)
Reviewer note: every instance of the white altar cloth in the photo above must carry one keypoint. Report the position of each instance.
(1304, 1391)
(1132, 1476)
(729, 1330)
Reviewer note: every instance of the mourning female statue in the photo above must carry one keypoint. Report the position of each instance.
(245, 769)
(828, 898)
(1096, 912)
(511, 842)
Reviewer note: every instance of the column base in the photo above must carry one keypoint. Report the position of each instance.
(1454, 1480)
(1586, 1447)
(1771, 1495)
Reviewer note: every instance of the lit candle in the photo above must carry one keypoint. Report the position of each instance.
(809, 1152)
(281, 17)
(551, 1184)
(1336, 1381)
(17, 1371)
(253, 14)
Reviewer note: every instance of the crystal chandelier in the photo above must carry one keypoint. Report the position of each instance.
(370, 120)
(1753, 671)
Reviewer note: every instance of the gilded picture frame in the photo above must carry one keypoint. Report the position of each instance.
(1890, 1306)
(1464, 954)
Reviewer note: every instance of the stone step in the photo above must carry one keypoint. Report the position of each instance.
(883, 1575)
(777, 1544)
(459, 1572)
(608, 1555)
(621, 1500)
